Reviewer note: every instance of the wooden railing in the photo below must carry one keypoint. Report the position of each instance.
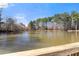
(71, 49)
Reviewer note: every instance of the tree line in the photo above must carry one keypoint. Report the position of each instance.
(10, 24)
(69, 21)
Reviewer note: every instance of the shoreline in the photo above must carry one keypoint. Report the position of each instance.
(72, 30)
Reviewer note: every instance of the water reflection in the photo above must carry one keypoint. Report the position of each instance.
(35, 39)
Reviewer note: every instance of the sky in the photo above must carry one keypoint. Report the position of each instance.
(25, 12)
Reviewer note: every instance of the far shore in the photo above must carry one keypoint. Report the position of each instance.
(37, 31)
(72, 30)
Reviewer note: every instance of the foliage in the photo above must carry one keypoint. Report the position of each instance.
(68, 21)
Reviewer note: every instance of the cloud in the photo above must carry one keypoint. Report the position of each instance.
(3, 5)
(21, 18)
(6, 5)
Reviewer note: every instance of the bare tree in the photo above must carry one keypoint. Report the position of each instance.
(0, 17)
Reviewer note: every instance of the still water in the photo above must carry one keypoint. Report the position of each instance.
(35, 39)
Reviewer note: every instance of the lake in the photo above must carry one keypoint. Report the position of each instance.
(29, 40)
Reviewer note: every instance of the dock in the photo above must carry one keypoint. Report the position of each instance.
(71, 49)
